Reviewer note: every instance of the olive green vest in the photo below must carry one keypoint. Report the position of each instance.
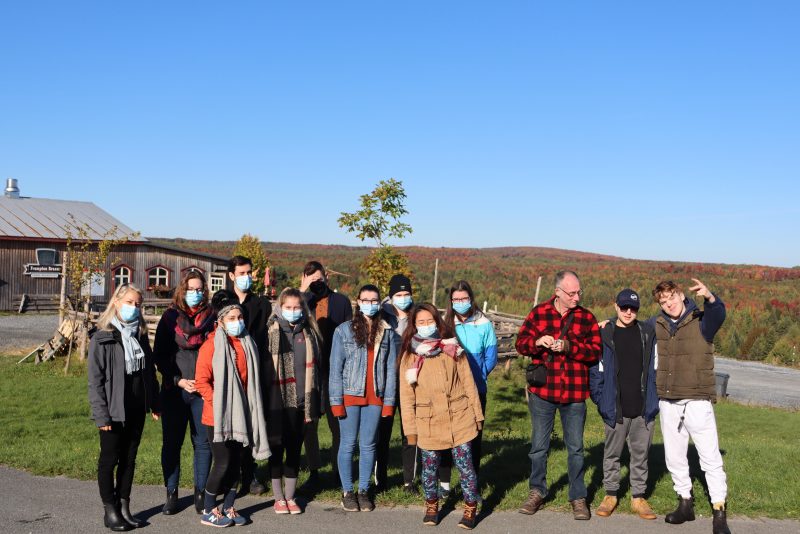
(685, 361)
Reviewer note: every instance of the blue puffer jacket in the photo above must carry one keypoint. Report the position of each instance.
(348, 374)
(477, 336)
(603, 375)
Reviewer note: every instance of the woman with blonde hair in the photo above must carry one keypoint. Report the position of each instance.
(294, 342)
(122, 389)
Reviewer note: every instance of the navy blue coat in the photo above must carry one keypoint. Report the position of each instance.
(603, 375)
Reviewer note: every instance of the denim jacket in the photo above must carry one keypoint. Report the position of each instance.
(348, 375)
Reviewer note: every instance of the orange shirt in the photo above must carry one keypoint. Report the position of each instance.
(204, 373)
(369, 398)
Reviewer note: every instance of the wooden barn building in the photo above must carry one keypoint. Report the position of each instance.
(33, 239)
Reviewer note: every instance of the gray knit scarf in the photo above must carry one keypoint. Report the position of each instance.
(134, 355)
(233, 418)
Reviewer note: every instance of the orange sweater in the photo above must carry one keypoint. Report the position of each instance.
(204, 374)
(369, 398)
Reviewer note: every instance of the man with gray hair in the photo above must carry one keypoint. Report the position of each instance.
(563, 340)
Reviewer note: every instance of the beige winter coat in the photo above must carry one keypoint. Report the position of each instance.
(443, 408)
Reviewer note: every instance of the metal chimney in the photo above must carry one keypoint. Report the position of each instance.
(12, 191)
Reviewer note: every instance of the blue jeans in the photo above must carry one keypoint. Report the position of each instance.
(179, 408)
(573, 418)
(362, 423)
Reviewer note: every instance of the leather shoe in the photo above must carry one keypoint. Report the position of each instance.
(606, 507)
(580, 510)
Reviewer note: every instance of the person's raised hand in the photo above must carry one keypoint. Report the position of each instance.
(701, 290)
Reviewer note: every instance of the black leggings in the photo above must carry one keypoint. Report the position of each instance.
(227, 457)
(118, 448)
(289, 441)
(408, 454)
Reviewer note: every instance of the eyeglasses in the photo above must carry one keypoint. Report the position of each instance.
(198, 291)
(571, 294)
(461, 301)
(626, 309)
(364, 301)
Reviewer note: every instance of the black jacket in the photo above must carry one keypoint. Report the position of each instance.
(340, 310)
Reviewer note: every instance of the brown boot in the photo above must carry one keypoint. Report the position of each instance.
(639, 505)
(606, 507)
(532, 505)
(580, 510)
(431, 512)
(470, 516)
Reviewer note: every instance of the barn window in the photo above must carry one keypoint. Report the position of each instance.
(158, 276)
(122, 275)
(216, 283)
(46, 256)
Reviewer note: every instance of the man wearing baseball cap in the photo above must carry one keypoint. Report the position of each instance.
(623, 385)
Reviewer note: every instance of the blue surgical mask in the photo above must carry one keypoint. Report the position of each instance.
(462, 307)
(234, 328)
(369, 309)
(403, 302)
(427, 331)
(244, 282)
(193, 298)
(128, 313)
(292, 315)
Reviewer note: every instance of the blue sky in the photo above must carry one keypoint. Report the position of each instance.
(648, 131)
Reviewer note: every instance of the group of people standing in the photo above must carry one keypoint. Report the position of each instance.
(252, 383)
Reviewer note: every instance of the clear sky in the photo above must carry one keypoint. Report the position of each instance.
(666, 130)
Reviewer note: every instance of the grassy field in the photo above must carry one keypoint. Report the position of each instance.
(47, 431)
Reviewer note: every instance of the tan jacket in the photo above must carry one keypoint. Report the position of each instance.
(443, 408)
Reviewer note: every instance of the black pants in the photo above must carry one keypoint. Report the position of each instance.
(118, 446)
(289, 440)
(225, 466)
(446, 467)
(408, 454)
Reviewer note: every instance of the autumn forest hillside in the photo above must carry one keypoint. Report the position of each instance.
(763, 302)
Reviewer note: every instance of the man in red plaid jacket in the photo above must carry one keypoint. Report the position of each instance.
(565, 338)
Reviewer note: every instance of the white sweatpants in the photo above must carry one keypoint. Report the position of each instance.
(700, 424)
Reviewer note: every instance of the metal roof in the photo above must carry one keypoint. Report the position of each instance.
(44, 218)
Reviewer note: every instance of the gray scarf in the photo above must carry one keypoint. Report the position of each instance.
(134, 355)
(233, 419)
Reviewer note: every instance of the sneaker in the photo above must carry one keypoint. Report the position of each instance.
(281, 507)
(350, 502)
(365, 501)
(640, 506)
(215, 518)
(470, 516)
(534, 502)
(580, 510)
(608, 506)
(257, 488)
(431, 517)
(293, 507)
(233, 515)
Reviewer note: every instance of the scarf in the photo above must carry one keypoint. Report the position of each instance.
(283, 393)
(238, 416)
(134, 355)
(191, 330)
(428, 348)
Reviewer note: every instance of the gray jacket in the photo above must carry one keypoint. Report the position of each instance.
(107, 377)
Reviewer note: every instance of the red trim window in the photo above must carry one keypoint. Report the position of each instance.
(122, 274)
(157, 276)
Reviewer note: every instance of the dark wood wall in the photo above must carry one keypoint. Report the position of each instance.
(139, 258)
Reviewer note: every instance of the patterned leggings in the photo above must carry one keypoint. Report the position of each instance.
(462, 458)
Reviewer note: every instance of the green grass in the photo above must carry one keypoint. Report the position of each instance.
(47, 431)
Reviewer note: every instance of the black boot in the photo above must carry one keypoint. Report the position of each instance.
(125, 511)
(113, 519)
(199, 500)
(720, 523)
(684, 512)
(171, 506)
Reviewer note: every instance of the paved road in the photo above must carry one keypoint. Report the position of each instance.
(38, 504)
(761, 384)
(25, 332)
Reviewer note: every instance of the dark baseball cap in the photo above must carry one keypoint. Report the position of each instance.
(628, 298)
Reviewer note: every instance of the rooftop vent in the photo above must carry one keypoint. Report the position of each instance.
(12, 191)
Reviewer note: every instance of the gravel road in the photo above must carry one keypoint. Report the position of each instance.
(19, 334)
(39, 504)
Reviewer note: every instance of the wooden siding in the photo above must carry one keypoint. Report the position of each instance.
(14, 254)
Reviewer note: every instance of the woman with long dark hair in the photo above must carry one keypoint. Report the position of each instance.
(362, 388)
(440, 407)
(294, 343)
(181, 331)
(122, 389)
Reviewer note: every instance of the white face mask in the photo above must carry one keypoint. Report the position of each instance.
(234, 328)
